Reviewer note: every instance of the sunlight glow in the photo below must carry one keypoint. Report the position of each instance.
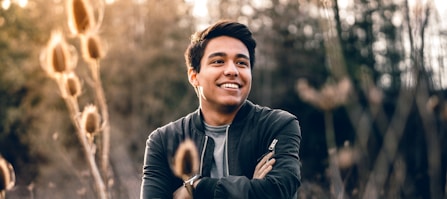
(22, 3)
(110, 1)
(6, 4)
(200, 8)
(441, 5)
(200, 12)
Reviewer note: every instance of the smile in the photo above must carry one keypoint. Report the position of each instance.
(230, 85)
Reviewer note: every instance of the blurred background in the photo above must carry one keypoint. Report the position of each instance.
(366, 79)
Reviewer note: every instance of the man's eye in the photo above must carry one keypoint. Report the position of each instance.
(217, 61)
(242, 63)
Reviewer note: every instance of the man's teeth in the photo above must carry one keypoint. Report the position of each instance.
(230, 85)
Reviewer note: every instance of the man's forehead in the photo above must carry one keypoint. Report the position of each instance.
(226, 45)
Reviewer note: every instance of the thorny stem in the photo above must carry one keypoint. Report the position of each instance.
(100, 96)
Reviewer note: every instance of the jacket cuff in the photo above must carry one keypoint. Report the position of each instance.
(205, 188)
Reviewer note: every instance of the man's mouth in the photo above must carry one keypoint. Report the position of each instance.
(230, 85)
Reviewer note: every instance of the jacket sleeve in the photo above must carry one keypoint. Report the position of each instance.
(158, 180)
(282, 182)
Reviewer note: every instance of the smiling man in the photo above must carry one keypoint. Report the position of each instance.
(246, 150)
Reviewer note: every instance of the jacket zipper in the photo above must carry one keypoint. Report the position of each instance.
(203, 154)
(271, 149)
(226, 152)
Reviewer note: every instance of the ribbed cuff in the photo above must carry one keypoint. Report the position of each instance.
(205, 188)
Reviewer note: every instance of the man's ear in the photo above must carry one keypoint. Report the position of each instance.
(192, 77)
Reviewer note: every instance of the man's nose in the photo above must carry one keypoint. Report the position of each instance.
(231, 69)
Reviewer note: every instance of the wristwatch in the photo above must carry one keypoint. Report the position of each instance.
(189, 184)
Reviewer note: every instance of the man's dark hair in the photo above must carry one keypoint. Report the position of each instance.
(199, 41)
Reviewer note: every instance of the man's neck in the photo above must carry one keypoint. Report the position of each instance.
(219, 116)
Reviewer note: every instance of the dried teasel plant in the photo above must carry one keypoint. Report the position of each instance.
(71, 86)
(329, 97)
(92, 49)
(186, 160)
(59, 61)
(347, 156)
(7, 177)
(92, 52)
(90, 121)
(58, 57)
(80, 16)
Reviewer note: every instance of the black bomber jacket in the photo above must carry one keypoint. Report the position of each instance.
(254, 132)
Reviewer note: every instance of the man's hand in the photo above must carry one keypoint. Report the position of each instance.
(182, 193)
(264, 166)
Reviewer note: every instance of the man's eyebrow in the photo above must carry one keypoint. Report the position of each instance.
(242, 56)
(217, 54)
(221, 54)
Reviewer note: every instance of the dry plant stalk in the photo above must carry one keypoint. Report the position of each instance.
(186, 160)
(328, 98)
(82, 23)
(92, 52)
(58, 61)
(7, 177)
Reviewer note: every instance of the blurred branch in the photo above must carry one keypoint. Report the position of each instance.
(337, 185)
(329, 97)
(388, 151)
(422, 96)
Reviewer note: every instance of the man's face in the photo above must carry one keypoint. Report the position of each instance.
(224, 79)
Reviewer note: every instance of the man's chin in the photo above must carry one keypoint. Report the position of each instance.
(232, 104)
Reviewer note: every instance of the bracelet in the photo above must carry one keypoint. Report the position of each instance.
(189, 184)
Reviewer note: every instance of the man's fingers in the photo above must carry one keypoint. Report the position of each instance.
(264, 166)
(268, 164)
(264, 159)
(266, 170)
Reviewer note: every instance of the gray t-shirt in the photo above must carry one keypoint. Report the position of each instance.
(218, 134)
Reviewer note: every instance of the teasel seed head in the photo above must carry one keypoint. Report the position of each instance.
(330, 96)
(58, 57)
(72, 85)
(91, 48)
(90, 120)
(7, 176)
(80, 16)
(186, 160)
(308, 93)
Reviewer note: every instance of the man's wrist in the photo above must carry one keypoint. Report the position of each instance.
(189, 184)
